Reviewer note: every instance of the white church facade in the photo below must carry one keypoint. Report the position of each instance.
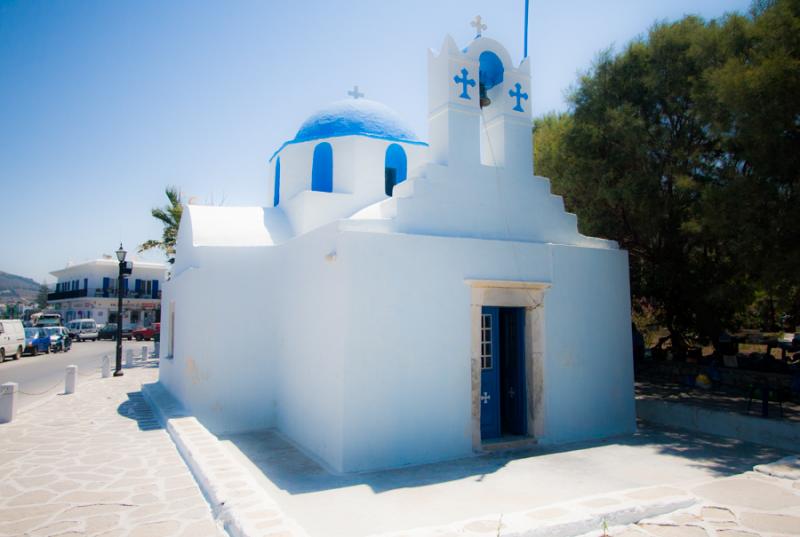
(404, 302)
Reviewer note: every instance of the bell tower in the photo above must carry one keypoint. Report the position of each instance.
(479, 106)
(453, 107)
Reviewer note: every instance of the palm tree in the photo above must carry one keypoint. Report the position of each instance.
(170, 217)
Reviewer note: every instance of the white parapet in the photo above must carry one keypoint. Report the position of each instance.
(129, 358)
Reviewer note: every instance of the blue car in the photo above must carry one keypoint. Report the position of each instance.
(59, 338)
(36, 341)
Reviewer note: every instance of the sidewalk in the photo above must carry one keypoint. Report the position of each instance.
(97, 463)
(765, 502)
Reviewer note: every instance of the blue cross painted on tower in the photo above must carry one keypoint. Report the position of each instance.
(466, 81)
(518, 95)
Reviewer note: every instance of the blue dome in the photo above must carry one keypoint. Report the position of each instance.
(355, 117)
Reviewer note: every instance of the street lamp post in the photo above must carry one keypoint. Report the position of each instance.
(121, 257)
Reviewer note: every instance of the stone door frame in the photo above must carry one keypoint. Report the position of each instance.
(514, 294)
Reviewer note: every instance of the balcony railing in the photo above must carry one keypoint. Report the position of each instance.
(103, 293)
(61, 295)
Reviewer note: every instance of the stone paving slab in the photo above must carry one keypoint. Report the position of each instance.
(747, 505)
(98, 463)
(582, 516)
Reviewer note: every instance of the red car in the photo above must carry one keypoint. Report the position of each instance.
(146, 332)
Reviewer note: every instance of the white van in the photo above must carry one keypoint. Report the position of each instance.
(81, 329)
(12, 339)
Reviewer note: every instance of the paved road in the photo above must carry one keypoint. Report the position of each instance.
(45, 372)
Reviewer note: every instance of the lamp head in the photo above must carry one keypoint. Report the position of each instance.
(121, 254)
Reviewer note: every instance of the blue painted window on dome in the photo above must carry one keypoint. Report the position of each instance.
(276, 197)
(322, 168)
(395, 167)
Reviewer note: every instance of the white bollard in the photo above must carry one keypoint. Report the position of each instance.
(129, 358)
(106, 366)
(157, 350)
(144, 353)
(8, 401)
(72, 379)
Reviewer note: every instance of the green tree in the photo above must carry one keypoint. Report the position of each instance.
(754, 105)
(669, 149)
(170, 217)
(41, 296)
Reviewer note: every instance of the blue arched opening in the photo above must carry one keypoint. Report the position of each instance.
(322, 168)
(490, 74)
(276, 197)
(395, 167)
(491, 69)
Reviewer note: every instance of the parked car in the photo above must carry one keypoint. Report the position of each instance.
(46, 319)
(12, 339)
(81, 329)
(36, 341)
(59, 338)
(109, 331)
(147, 332)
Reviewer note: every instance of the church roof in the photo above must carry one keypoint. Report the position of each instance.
(354, 117)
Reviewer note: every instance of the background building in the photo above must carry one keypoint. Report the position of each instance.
(88, 290)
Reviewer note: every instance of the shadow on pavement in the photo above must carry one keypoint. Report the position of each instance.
(137, 409)
(704, 455)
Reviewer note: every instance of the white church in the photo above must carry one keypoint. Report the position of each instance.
(403, 302)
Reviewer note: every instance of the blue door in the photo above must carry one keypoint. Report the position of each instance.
(490, 373)
(512, 371)
(503, 400)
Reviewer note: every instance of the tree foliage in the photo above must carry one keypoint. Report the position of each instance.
(41, 296)
(170, 217)
(685, 148)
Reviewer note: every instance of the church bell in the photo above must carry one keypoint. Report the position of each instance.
(485, 100)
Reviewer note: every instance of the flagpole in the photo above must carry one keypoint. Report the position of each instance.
(525, 45)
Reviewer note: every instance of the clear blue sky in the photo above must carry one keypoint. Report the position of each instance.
(103, 103)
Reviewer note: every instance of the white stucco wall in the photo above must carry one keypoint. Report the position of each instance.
(363, 359)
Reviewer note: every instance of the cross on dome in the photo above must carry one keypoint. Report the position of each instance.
(355, 93)
(478, 24)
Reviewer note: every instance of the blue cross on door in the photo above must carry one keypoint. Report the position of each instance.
(466, 81)
(518, 94)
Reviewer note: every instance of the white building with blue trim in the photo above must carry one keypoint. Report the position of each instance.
(402, 302)
(88, 290)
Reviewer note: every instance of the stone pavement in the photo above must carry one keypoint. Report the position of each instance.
(97, 463)
(765, 502)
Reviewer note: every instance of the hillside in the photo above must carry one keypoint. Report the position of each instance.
(13, 287)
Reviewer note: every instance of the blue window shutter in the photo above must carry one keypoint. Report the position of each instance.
(125, 284)
(106, 283)
(276, 197)
(155, 288)
(137, 285)
(86, 283)
(322, 168)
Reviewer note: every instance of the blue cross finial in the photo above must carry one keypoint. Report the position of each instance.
(466, 81)
(518, 94)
